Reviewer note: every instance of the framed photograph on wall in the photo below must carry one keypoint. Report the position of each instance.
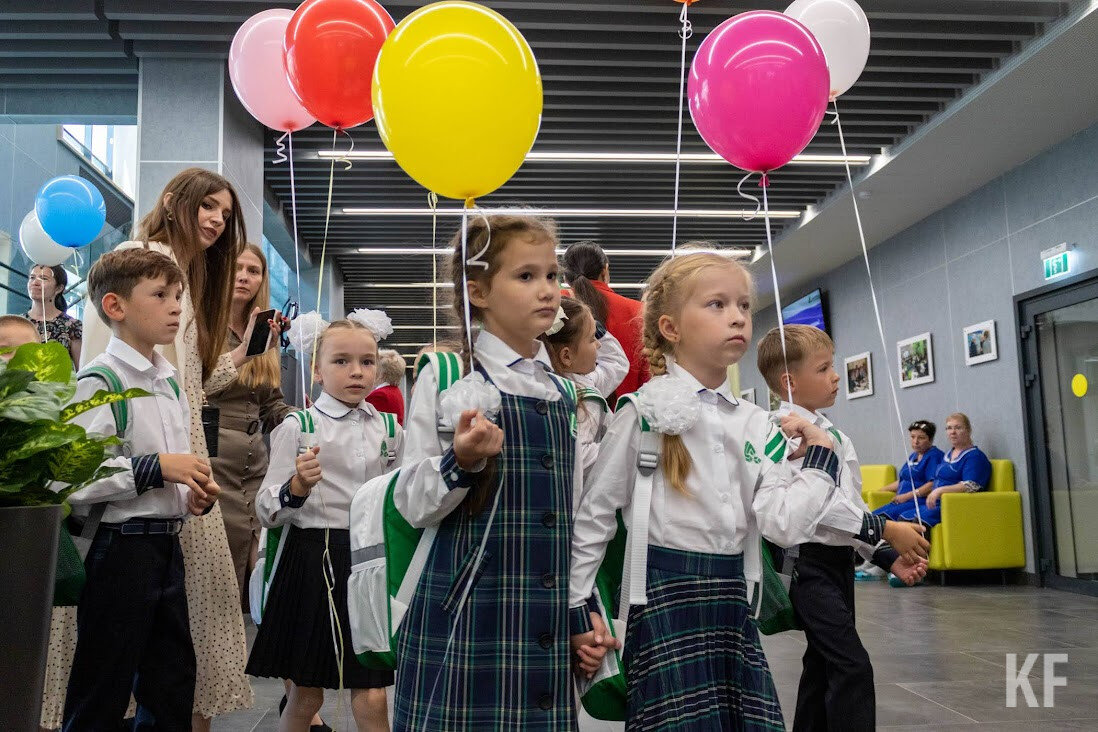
(748, 395)
(859, 375)
(980, 343)
(775, 401)
(916, 358)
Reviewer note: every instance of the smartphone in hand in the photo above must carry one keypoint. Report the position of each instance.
(261, 333)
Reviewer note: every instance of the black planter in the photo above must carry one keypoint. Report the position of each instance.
(28, 559)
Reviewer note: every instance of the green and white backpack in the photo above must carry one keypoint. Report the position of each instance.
(621, 581)
(271, 541)
(388, 554)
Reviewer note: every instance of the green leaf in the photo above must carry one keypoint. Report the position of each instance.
(75, 462)
(47, 361)
(39, 401)
(49, 436)
(99, 399)
(103, 471)
(12, 381)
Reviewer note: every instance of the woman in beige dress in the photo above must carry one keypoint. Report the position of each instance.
(197, 222)
(251, 405)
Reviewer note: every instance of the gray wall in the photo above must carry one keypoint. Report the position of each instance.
(959, 266)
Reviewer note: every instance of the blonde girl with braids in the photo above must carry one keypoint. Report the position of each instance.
(490, 465)
(692, 655)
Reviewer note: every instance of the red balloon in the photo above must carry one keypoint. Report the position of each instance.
(331, 49)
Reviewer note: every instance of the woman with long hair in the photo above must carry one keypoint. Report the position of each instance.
(251, 405)
(46, 290)
(197, 222)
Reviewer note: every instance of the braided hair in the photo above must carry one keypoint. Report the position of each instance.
(666, 291)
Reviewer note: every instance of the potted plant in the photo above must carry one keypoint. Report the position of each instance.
(43, 459)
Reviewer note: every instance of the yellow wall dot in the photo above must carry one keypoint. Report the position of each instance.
(1079, 385)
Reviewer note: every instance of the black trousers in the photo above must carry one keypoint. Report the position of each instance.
(132, 636)
(836, 688)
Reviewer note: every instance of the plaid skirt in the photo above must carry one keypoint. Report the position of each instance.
(692, 654)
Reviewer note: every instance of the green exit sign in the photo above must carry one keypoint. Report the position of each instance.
(1056, 266)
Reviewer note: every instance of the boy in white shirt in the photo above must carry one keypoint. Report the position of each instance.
(836, 686)
(133, 633)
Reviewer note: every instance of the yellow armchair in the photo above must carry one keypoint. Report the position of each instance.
(978, 530)
(874, 477)
(981, 530)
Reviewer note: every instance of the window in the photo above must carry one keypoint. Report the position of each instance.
(280, 275)
(111, 149)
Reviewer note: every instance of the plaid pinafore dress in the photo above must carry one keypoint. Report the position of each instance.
(508, 664)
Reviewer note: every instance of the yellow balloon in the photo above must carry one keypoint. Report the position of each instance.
(457, 98)
(1079, 385)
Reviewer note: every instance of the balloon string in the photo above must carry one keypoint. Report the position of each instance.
(323, 253)
(748, 196)
(297, 261)
(432, 201)
(280, 149)
(345, 158)
(764, 184)
(465, 282)
(685, 32)
(876, 306)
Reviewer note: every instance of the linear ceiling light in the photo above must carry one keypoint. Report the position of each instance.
(580, 156)
(735, 252)
(449, 285)
(684, 213)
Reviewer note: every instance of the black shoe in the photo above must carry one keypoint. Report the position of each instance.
(282, 705)
(320, 727)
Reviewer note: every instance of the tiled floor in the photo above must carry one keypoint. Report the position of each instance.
(939, 655)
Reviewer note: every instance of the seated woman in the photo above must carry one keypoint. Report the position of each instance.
(965, 469)
(917, 474)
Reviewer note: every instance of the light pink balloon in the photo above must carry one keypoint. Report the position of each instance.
(258, 72)
(758, 89)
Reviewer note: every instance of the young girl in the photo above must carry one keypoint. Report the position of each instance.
(594, 360)
(308, 489)
(484, 643)
(692, 654)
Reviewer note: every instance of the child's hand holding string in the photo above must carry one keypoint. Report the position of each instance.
(797, 427)
(308, 473)
(907, 538)
(476, 438)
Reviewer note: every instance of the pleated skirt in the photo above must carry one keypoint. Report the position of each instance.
(295, 640)
(692, 654)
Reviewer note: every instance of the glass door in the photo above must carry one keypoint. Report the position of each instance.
(1060, 368)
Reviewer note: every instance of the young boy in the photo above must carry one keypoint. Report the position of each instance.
(836, 687)
(15, 331)
(132, 628)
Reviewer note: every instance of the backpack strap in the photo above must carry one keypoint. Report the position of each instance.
(387, 450)
(635, 567)
(448, 370)
(114, 384)
(174, 385)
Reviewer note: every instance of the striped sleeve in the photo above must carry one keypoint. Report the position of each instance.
(147, 473)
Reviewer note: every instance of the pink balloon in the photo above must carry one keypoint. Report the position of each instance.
(758, 89)
(258, 72)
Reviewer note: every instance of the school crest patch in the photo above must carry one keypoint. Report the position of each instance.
(749, 453)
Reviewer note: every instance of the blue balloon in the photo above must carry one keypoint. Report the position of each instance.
(71, 210)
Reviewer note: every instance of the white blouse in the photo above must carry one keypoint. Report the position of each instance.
(735, 491)
(350, 454)
(422, 493)
(611, 366)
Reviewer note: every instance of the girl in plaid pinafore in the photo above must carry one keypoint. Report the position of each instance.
(484, 644)
(692, 657)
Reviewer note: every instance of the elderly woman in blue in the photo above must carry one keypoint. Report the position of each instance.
(917, 474)
(965, 469)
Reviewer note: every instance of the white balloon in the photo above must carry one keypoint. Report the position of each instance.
(38, 245)
(843, 32)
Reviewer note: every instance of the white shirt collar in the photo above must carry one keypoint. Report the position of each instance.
(336, 409)
(723, 391)
(491, 349)
(814, 417)
(158, 368)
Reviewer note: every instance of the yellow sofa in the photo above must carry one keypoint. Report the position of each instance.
(875, 477)
(978, 530)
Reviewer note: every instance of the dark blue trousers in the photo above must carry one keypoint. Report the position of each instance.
(133, 636)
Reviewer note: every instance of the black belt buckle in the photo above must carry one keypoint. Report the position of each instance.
(253, 427)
